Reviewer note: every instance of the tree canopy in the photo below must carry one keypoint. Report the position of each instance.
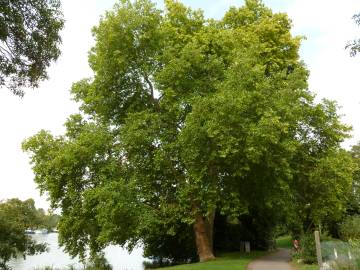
(29, 41)
(186, 117)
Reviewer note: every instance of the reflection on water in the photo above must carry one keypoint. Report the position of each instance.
(119, 258)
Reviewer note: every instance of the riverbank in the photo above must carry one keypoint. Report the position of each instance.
(56, 258)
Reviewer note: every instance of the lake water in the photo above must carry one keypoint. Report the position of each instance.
(119, 258)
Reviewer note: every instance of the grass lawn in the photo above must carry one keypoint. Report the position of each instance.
(229, 261)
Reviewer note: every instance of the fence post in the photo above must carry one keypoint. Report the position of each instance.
(318, 248)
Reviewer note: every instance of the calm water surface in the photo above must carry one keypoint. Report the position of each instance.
(119, 258)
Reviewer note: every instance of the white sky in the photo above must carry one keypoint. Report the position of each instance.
(327, 24)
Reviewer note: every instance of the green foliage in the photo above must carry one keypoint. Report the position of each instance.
(307, 251)
(15, 217)
(51, 221)
(308, 248)
(186, 117)
(331, 176)
(354, 45)
(45, 221)
(29, 41)
(353, 207)
(350, 228)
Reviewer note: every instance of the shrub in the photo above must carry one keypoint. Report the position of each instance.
(308, 248)
(350, 228)
(307, 251)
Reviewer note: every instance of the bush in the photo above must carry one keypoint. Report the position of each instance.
(307, 251)
(350, 228)
(308, 248)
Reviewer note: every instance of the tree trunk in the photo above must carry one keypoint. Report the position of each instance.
(209, 225)
(203, 241)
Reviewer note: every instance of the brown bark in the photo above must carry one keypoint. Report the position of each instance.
(209, 221)
(209, 225)
(203, 243)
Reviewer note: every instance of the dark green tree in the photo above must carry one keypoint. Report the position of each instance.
(29, 41)
(45, 220)
(184, 117)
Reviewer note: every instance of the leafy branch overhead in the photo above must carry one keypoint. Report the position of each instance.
(354, 45)
(29, 41)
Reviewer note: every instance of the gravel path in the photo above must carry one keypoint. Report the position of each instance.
(277, 261)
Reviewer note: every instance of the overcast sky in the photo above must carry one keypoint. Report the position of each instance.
(326, 24)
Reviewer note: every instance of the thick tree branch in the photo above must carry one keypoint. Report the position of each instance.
(147, 80)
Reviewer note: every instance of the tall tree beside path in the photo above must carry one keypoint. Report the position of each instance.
(184, 117)
(29, 41)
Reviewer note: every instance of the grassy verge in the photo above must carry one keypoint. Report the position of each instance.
(301, 266)
(229, 261)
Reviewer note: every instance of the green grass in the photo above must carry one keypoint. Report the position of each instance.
(229, 261)
(284, 242)
(301, 266)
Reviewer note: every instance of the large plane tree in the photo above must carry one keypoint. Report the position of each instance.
(184, 117)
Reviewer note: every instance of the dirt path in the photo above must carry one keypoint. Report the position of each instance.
(277, 261)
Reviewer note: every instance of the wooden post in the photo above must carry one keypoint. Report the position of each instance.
(318, 248)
